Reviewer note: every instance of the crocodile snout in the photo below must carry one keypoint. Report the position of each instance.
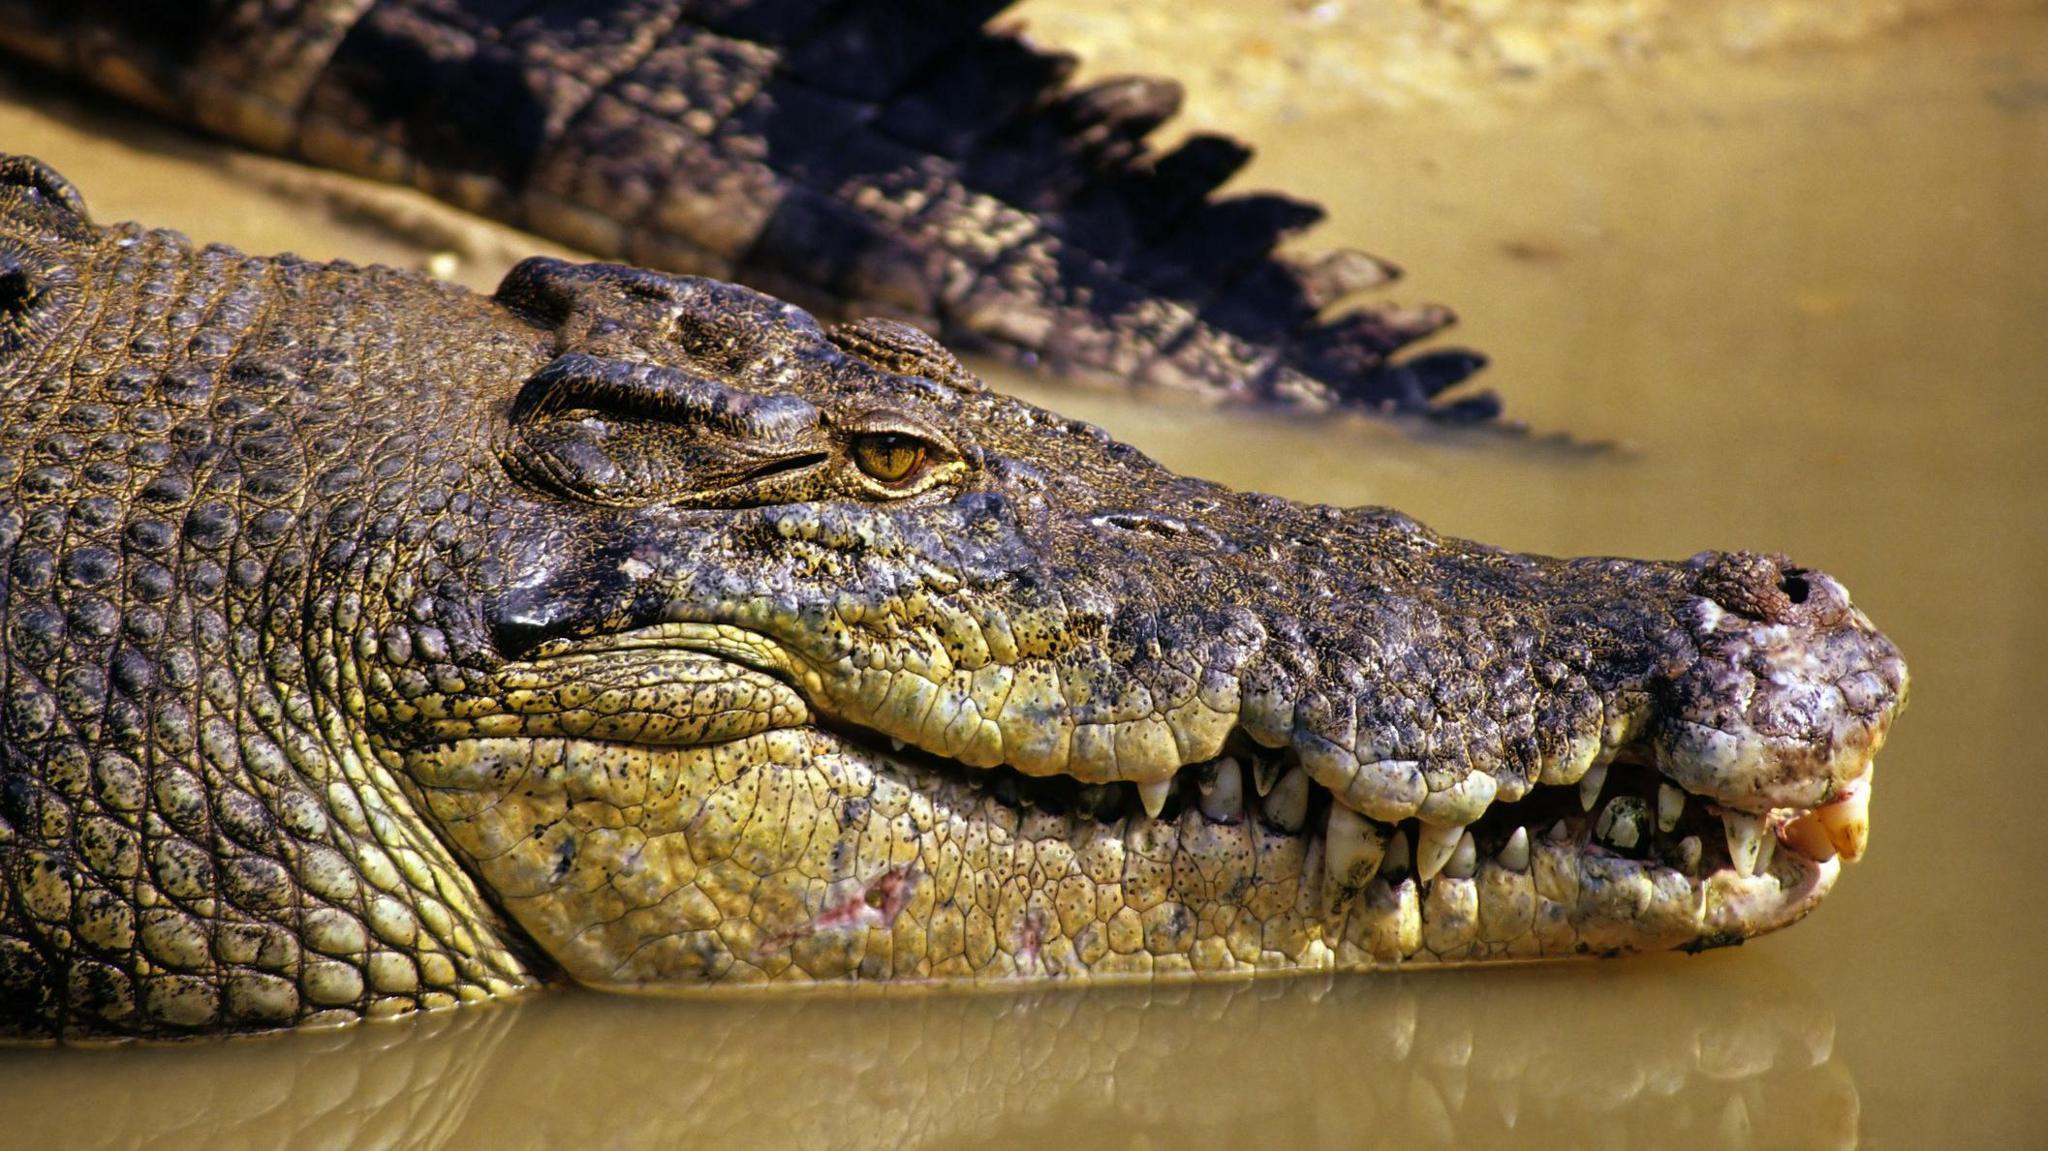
(1792, 690)
(1770, 588)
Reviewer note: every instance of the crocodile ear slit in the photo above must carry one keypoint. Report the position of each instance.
(905, 350)
(35, 293)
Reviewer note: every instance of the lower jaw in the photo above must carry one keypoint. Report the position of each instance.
(800, 856)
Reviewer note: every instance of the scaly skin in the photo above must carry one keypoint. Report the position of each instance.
(892, 159)
(371, 645)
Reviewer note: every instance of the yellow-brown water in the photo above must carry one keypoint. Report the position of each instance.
(1809, 293)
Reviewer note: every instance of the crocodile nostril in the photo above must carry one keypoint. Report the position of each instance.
(1759, 587)
(1795, 586)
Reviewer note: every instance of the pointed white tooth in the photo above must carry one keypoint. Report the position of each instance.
(1745, 839)
(1153, 795)
(1222, 792)
(1515, 856)
(1767, 846)
(1559, 833)
(895, 744)
(1847, 821)
(1265, 773)
(1590, 785)
(1396, 861)
(1670, 805)
(1464, 858)
(1806, 836)
(1353, 847)
(1689, 850)
(1433, 848)
(1621, 822)
(1286, 806)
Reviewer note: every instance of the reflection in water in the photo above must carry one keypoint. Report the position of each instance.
(1739, 1053)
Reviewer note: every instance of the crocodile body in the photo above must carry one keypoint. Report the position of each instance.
(371, 646)
(869, 159)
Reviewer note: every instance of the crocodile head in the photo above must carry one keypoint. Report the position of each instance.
(810, 658)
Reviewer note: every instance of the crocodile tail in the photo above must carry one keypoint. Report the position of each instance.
(903, 159)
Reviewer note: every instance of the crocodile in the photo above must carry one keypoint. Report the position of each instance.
(374, 646)
(901, 160)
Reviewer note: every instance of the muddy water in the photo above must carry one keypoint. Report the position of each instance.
(1805, 295)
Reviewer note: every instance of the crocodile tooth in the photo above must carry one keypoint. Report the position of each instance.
(1806, 836)
(1621, 822)
(1688, 855)
(1353, 847)
(1265, 773)
(1766, 846)
(1590, 785)
(1286, 805)
(1221, 793)
(1847, 821)
(1559, 833)
(1396, 860)
(1689, 850)
(1464, 858)
(1670, 805)
(1745, 839)
(1152, 793)
(1515, 856)
(1433, 847)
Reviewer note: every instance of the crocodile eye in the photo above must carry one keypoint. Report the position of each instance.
(888, 457)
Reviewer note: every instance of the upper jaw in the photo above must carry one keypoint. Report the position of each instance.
(1717, 678)
(1815, 801)
(1425, 686)
(1583, 828)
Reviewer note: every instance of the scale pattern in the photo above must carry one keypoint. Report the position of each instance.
(898, 159)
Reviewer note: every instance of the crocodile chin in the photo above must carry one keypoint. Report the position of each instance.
(673, 811)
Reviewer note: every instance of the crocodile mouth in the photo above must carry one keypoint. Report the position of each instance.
(1622, 860)
(1625, 822)
(1623, 806)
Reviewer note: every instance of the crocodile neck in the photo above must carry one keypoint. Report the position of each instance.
(200, 836)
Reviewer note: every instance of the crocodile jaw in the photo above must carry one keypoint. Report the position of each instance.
(773, 849)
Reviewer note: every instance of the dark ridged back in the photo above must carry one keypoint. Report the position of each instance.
(898, 159)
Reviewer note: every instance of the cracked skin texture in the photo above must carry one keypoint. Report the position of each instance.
(374, 646)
